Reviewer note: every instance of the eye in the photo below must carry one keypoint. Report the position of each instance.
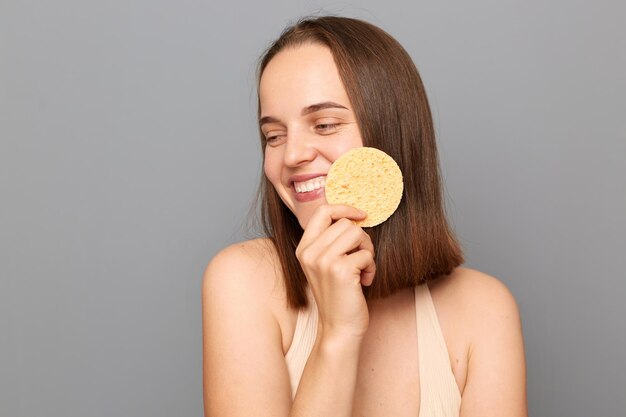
(274, 138)
(326, 128)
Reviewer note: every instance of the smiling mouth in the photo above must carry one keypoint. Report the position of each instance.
(310, 185)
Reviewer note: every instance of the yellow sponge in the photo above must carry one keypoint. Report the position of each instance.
(368, 179)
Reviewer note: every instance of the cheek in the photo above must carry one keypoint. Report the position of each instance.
(350, 139)
(270, 168)
(342, 148)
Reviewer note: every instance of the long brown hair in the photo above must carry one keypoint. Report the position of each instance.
(416, 244)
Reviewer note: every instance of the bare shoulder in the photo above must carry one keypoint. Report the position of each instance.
(242, 349)
(250, 254)
(244, 279)
(248, 267)
(474, 295)
(482, 319)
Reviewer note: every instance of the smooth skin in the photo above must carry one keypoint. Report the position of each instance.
(364, 361)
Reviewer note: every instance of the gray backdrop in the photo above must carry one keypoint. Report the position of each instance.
(129, 156)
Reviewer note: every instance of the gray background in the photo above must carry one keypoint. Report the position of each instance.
(129, 156)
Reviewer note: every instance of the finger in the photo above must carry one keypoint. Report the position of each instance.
(351, 239)
(368, 274)
(325, 215)
(364, 261)
(339, 228)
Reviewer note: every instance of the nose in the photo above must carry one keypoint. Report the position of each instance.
(299, 150)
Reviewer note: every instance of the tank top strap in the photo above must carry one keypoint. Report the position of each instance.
(439, 392)
(303, 341)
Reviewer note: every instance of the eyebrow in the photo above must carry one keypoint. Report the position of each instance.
(307, 110)
(321, 106)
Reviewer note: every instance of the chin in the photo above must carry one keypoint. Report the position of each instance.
(304, 215)
(304, 211)
(303, 220)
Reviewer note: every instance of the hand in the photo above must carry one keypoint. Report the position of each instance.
(337, 257)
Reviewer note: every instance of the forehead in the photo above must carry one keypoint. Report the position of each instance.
(299, 76)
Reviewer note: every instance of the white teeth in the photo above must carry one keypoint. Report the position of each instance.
(310, 185)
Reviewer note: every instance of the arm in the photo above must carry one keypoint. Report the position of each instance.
(244, 370)
(496, 376)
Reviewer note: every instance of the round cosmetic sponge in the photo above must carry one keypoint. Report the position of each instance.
(368, 179)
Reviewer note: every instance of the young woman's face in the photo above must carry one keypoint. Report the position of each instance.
(307, 121)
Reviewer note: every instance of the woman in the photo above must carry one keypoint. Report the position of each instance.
(322, 317)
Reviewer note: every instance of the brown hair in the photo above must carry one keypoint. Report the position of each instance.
(416, 244)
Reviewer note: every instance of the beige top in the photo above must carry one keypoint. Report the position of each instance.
(439, 393)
